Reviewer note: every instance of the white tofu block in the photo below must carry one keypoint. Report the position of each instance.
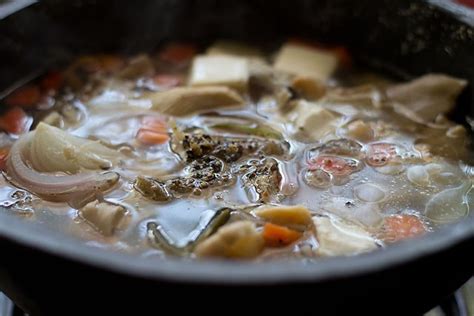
(338, 238)
(233, 48)
(314, 120)
(224, 70)
(306, 61)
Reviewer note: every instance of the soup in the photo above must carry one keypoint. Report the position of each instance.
(234, 152)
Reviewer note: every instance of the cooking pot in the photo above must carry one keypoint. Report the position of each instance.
(48, 273)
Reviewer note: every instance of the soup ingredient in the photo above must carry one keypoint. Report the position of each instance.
(277, 236)
(139, 67)
(359, 212)
(3, 157)
(152, 189)
(360, 130)
(154, 131)
(292, 216)
(15, 121)
(426, 97)
(52, 81)
(315, 121)
(418, 175)
(339, 238)
(52, 149)
(402, 226)
(380, 154)
(179, 54)
(224, 47)
(307, 61)
(182, 101)
(236, 240)
(103, 216)
(261, 179)
(309, 88)
(26, 96)
(449, 205)
(160, 239)
(259, 130)
(167, 81)
(77, 190)
(224, 70)
(369, 193)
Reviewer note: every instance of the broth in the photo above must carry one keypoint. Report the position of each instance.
(234, 153)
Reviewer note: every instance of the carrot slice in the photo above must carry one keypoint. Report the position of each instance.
(149, 137)
(167, 81)
(3, 157)
(15, 121)
(398, 227)
(52, 81)
(178, 53)
(25, 96)
(277, 236)
(153, 123)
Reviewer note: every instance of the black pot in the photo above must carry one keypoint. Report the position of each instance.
(47, 273)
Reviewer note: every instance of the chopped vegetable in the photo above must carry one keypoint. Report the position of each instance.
(105, 217)
(262, 179)
(309, 88)
(3, 157)
(306, 61)
(25, 97)
(296, 215)
(152, 189)
(178, 53)
(398, 227)
(52, 81)
(77, 190)
(339, 238)
(236, 240)
(154, 131)
(15, 121)
(167, 81)
(426, 97)
(276, 235)
(184, 101)
(52, 149)
(220, 70)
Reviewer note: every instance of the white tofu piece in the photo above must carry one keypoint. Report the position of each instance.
(104, 217)
(306, 61)
(314, 120)
(233, 48)
(224, 70)
(338, 238)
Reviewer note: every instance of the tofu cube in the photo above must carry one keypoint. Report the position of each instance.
(306, 61)
(224, 70)
(315, 121)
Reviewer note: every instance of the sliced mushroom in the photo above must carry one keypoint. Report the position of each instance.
(426, 97)
(296, 215)
(309, 88)
(183, 101)
(105, 217)
(339, 238)
(236, 240)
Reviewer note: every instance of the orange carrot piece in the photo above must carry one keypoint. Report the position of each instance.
(153, 123)
(149, 137)
(3, 157)
(178, 53)
(26, 96)
(168, 81)
(15, 121)
(52, 81)
(276, 235)
(398, 227)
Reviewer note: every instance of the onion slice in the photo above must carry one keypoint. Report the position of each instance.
(77, 189)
